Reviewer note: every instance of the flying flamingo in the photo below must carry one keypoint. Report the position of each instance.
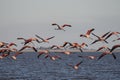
(56, 47)
(87, 35)
(4, 55)
(89, 57)
(67, 52)
(76, 66)
(103, 47)
(19, 51)
(24, 47)
(61, 27)
(46, 52)
(75, 45)
(2, 44)
(82, 46)
(14, 57)
(6, 52)
(109, 52)
(100, 38)
(10, 44)
(28, 40)
(53, 57)
(113, 33)
(44, 40)
(72, 45)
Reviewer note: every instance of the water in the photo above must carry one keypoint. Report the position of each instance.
(28, 67)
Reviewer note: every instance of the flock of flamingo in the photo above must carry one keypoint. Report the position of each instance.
(7, 48)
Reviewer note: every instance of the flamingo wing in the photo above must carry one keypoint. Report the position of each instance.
(89, 31)
(56, 25)
(79, 63)
(39, 38)
(114, 47)
(95, 41)
(50, 37)
(66, 25)
(21, 39)
(113, 55)
(106, 35)
(95, 35)
(103, 54)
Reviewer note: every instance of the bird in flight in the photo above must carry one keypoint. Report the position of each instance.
(26, 41)
(44, 40)
(103, 47)
(100, 38)
(61, 27)
(113, 33)
(87, 35)
(76, 66)
(109, 52)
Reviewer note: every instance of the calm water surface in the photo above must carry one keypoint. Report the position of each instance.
(29, 67)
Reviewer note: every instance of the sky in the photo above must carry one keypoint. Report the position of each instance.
(25, 18)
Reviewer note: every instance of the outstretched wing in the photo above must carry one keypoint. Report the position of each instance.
(95, 35)
(79, 63)
(34, 49)
(95, 41)
(39, 37)
(113, 55)
(24, 48)
(66, 25)
(103, 54)
(50, 37)
(54, 24)
(114, 47)
(99, 48)
(21, 39)
(89, 31)
(105, 34)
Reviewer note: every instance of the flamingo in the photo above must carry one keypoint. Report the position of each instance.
(6, 52)
(44, 40)
(75, 45)
(90, 57)
(113, 33)
(87, 35)
(67, 52)
(114, 47)
(28, 40)
(76, 66)
(3, 50)
(14, 57)
(46, 52)
(103, 47)
(11, 44)
(53, 57)
(56, 47)
(2, 44)
(100, 38)
(4, 55)
(70, 44)
(82, 46)
(61, 27)
(24, 47)
(109, 52)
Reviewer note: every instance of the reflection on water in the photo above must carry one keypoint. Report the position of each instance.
(28, 67)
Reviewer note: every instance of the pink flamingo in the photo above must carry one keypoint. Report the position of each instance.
(61, 27)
